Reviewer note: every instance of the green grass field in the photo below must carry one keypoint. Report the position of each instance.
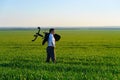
(81, 55)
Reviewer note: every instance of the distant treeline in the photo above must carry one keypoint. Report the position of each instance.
(64, 28)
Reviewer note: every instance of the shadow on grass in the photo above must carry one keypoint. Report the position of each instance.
(79, 66)
(111, 46)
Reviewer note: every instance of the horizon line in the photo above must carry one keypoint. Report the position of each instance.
(60, 26)
(66, 27)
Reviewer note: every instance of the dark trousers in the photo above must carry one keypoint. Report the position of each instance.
(50, 54)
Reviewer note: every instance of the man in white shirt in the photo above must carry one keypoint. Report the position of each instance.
(51, 46)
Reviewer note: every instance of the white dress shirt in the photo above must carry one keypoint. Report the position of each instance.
(51, 40)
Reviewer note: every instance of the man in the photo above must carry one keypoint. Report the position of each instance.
(51, 46)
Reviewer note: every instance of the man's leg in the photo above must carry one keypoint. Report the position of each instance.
(48, 54)
(53, 57)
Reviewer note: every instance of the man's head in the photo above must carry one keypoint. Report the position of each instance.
(52, 30)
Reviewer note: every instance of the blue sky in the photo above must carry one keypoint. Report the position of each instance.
(14, 13)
